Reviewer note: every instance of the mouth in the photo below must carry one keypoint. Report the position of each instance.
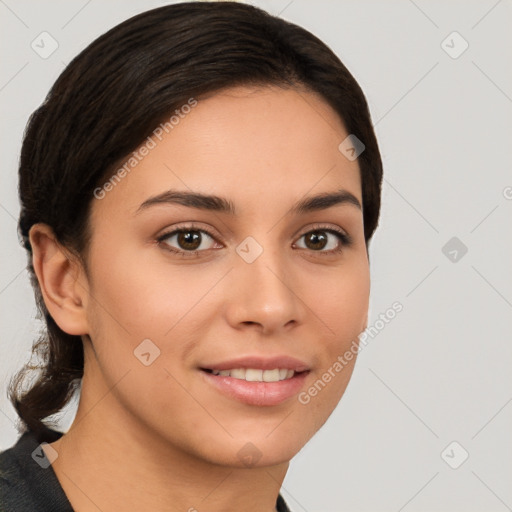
(257, 384)
(255, 374)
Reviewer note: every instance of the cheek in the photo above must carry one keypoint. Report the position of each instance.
(135, 298)
(342, 304)
(343, 308)
(142, 297)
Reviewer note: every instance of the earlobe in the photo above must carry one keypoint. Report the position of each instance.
(61, 280)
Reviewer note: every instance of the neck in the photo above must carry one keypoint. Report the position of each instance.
(109, 462)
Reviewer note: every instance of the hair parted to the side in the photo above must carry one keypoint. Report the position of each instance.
(111, 97)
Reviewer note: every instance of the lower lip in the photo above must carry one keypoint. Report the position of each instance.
(257, 393)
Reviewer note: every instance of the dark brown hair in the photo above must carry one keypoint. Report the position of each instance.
(113, 95)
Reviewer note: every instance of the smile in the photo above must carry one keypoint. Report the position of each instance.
(256, 375)
(257, 387)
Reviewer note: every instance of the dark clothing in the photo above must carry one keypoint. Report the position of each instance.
(27, 480)
(29, 484)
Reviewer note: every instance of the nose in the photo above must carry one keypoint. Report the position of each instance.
(264, 294)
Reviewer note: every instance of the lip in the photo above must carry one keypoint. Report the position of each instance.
(256, 393)
(261, 363)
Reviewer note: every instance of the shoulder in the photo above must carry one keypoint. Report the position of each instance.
(12, 478)
(27, 481)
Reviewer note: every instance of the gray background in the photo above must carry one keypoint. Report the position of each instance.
(440, 371)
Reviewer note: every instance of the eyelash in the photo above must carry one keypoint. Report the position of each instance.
(344, 238)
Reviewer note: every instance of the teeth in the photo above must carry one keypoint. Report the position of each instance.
(253, 375)
(271, 375)
(237, 373)
(256, 375)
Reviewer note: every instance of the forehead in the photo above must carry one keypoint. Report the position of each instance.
(253, 145)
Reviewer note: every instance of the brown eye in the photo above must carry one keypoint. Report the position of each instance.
(186, 240)
(316, 240)
(189, 240)
(319, 240)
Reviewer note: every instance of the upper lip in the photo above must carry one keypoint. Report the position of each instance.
(262, 363)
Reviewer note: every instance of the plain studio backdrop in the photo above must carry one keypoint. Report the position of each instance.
(425, 422)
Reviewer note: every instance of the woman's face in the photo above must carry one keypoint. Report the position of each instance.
(270, 286)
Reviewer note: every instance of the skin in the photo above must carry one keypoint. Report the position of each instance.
(161, 433)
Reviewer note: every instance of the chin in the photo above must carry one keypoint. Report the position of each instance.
(262, 449)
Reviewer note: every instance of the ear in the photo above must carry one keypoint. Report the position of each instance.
(62, 280)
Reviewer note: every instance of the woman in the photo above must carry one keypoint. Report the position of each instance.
(198, 193)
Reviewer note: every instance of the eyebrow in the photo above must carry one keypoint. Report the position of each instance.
(215, 203)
